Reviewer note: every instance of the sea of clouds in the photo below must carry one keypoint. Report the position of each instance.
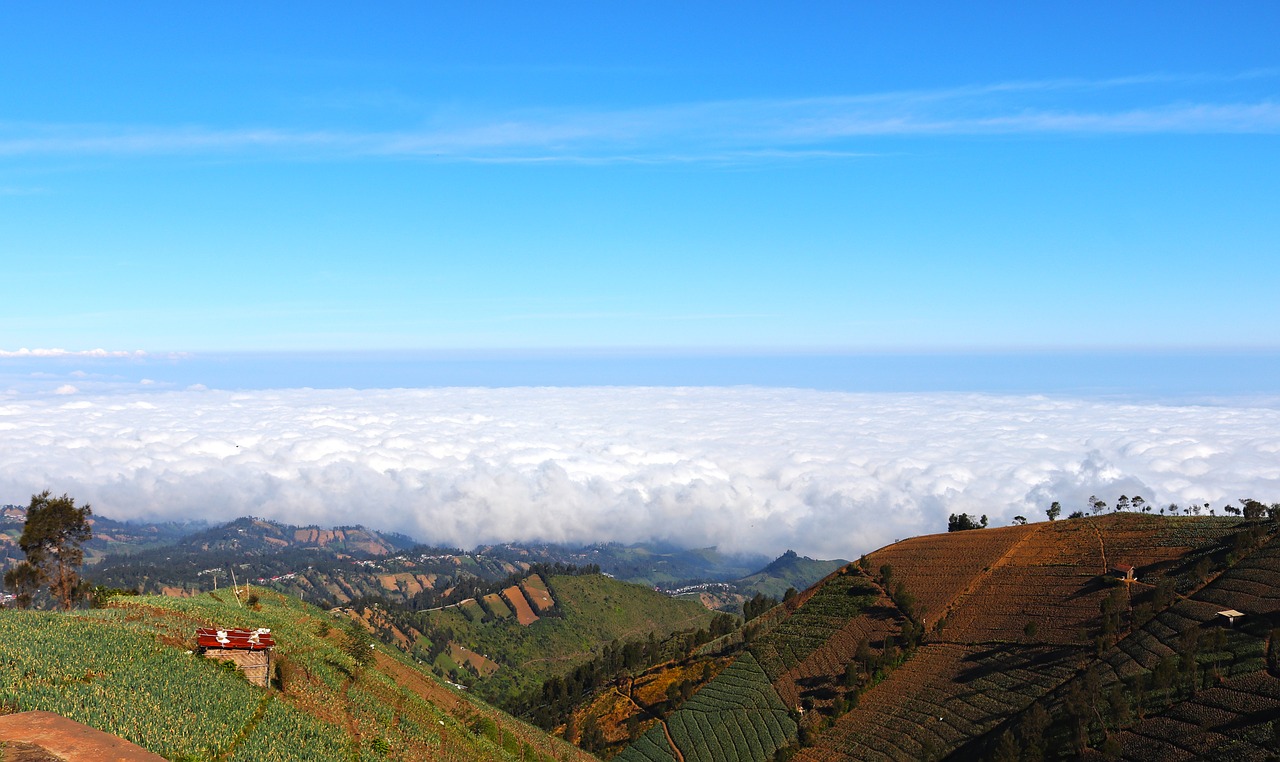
(830, 474)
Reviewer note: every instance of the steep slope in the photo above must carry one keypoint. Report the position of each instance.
(592, 611)
(129, 670)
(1183, 684)
(1021, 613)
(970, 644)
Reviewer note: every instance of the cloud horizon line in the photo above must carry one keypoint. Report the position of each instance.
(827, 473)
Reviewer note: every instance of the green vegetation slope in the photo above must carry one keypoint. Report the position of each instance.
(128, 669)
(592, 611)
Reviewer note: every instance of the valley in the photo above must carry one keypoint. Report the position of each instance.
(1088, 636)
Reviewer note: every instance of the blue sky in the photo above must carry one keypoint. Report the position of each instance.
(742, 177)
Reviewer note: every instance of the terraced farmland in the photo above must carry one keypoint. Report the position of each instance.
(945, 695)
(735, 716)
(1230, 721)
(538, 593)
(938, 568)
(1042, 647)
(1253, 584)
(515, 599)
(824, 614)
(868, 618)
(1052, 577)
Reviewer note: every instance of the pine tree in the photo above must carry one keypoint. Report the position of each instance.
(51, 539)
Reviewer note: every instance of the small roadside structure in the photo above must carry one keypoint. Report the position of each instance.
(250, 650)
(1125, 572)
(1229, 616)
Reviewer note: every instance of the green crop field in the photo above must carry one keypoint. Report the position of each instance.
(128, 670)
(496, 606)
(737, 715)
(471, 609)
(824, 614)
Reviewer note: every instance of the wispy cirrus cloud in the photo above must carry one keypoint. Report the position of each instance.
(729, 131)
(71, 353)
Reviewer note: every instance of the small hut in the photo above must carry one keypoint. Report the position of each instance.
(250, 650)
(1230, 616)
(1125, 572)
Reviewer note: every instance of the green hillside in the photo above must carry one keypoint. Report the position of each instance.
(591, 612)
(787, 571)
(128, 669)
(652, 564)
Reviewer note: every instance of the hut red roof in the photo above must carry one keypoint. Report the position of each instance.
(251, 640)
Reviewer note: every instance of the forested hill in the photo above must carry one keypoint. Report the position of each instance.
(788, 571)
(109, 536)
(339, 566)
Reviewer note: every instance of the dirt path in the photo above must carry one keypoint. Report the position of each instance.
(628, 698)
(674, 749)
(349, 719)
(1102, 548)
(246, 731)
(68, 740)
(665, 730)
(984, 575)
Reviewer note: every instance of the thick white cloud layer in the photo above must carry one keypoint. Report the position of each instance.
(829, 474)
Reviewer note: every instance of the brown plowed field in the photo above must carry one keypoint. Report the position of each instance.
(461, 654)
(1048, 575)
(937, 568)
(524, 614)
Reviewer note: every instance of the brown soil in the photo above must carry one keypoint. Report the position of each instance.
(67, 740)
(524, 614)
(461, 654)
(16, 751)
(538, 593)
